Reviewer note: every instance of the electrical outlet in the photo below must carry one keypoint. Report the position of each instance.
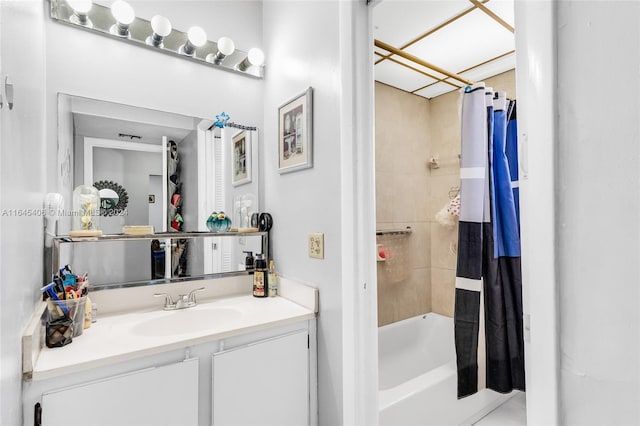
(316, 245)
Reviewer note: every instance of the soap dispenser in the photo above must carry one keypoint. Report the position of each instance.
(260, 277)
(248, 262)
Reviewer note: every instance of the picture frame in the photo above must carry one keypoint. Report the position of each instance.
(295, 133)
(241, 158)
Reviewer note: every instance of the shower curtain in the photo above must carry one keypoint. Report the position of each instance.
(488, 296)
(512, 156)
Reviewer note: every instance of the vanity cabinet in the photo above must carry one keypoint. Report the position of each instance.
(166, 395)
(259, 377)
(265, 383)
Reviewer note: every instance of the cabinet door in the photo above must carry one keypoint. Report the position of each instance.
(166, 395)
(266, 383)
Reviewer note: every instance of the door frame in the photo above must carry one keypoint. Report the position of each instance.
(536, 76)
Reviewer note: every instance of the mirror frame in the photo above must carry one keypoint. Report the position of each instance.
(123, 198)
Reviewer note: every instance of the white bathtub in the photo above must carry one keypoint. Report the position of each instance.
(418, 376)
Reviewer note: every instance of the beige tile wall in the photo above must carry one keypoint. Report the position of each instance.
(409, 131)
(402, 199)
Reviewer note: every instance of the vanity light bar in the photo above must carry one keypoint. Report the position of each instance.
(100, 19)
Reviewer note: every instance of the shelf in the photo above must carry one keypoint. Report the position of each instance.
(168, 238)
(405, 231)
(156, 236)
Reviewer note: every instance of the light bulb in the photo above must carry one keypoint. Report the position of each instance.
(161, 28)
(226, 46)
(255, 56)
(80, 6)
(161, 25)
(80, 10)
(124, 15)
(197, 36)
(123, 12)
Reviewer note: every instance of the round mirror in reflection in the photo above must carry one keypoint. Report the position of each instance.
(108, 198)
(113, 198)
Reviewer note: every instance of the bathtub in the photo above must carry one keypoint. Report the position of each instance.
(417, 376)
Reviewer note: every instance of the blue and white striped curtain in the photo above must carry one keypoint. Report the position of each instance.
(488, 298)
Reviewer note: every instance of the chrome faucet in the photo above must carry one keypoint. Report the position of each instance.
(192, 295)
(184, 300)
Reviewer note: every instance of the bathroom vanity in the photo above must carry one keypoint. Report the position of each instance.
(230, 359)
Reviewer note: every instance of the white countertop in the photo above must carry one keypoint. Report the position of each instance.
(137, 334)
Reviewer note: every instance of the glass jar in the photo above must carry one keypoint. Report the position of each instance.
(86, 209)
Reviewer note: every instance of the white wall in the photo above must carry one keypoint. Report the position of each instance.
(155, 209)
(109, 165)
(301, 41)
(22, 186)
(598, 211)
(328, 45)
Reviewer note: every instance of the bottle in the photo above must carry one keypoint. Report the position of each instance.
(260, 277)
(248, 262)
(94, 312)
(272, 280)
(87, 313)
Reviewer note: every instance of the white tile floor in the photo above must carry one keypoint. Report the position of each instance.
(511, 413)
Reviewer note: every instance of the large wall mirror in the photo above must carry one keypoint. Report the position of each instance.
(160, 169)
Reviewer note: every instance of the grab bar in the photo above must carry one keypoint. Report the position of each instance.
(405, 231)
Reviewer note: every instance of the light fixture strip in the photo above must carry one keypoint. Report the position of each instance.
(140, 29)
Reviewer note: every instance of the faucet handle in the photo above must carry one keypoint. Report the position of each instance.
(192, 294)
(168, 301)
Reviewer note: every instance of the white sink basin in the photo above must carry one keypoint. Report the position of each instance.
(185, 321)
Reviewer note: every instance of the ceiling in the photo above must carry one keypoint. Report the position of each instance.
(431, 47)
(125, 130)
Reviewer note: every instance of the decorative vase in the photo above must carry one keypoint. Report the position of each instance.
(86, 210)
(218, 222)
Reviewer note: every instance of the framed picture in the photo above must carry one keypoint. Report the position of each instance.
(241, 158)
(295, 133)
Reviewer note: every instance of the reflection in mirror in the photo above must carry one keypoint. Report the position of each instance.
(108, 199)
(146, 260)
(174, 170)
(113, 198)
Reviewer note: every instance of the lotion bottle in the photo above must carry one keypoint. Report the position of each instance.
(260, 277)
(273, 280)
